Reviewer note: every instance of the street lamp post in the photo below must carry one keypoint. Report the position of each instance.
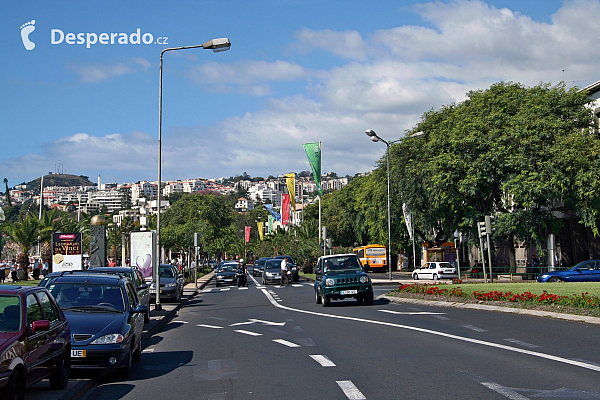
(215, 45)
(371, 133)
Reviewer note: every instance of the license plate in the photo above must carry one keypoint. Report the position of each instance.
(78, 353)
(348, 291)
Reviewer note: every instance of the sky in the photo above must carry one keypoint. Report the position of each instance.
(298, 71)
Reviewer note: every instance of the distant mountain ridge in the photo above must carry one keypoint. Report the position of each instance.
(60, 180)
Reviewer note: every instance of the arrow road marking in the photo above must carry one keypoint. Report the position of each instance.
(209, 326)
(254, 321)
(248, 332)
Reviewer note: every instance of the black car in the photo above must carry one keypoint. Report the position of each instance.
(227, 273)
(35, 340)
(106, 320)
(171, 284)
(259, 265)
(133, 274)
(291, 267)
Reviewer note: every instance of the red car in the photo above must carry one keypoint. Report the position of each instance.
(35, 340)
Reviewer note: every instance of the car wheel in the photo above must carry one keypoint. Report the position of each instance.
(218, 284)
(60, 378)
(360, 300)
(435, 277)
(555, 279)
(317, 297)
(416, 277)
(369, 299)
(326, 301)
(15, 387)
(137, 354)
(125, 371)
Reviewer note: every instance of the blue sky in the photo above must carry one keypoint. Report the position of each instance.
(298, 71)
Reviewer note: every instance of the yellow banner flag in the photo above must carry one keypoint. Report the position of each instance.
(261, 231)
(290, 180)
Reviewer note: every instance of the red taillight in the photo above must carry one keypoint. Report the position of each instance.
(440, 272)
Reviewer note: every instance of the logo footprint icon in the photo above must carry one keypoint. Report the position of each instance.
(26, 29)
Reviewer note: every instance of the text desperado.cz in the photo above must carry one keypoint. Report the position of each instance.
(57, 36)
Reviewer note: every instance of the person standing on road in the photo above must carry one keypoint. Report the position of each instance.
(284, 272)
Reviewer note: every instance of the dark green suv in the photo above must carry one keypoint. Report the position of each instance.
(340, 276)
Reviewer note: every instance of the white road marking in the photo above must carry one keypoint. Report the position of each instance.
(442, 334)
(148, 351)
(519, 342)
(225, 289)
(504, 391)
(474, 328)
(247, 332)
(260, 287)
(297, 285)
(323, 360)
(350, 390)
(286, 343)
(243, 288)
(181, 322)
(254, 321)
(209, 326)
(412, 312)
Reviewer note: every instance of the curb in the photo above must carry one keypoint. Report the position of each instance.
(77, 391)
(485, 307)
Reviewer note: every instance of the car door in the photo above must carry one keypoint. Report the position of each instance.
(57, 328)
(37, 347)
(583, 273)
(142, 288)
(319, 273)
(135, 319)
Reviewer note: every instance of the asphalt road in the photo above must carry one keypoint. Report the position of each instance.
(277, 343)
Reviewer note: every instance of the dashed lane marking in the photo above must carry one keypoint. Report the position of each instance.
(350, 390)
(181, 322)
(474, 328)
(225, 289)
(209, 326)
(323, 360)
(243, 288)
(286, 343)
(521, 343)
(247, 332)
(412, 312)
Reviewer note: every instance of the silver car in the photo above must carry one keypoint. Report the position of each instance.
(272, 272)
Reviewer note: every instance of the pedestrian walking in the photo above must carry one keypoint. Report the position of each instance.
(2, 273)
(284, 265)
(45, 268)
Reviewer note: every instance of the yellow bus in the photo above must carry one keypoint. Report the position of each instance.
(373, 257)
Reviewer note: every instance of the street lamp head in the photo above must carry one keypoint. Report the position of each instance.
(370, 133)
(417, 134)
(216, 45)
(375, 138)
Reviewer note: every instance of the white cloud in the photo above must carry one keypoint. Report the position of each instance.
(347, 44)
(96, 72)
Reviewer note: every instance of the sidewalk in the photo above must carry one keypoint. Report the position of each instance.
(78, 387)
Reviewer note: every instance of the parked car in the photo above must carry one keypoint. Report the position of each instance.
(226, 273)
(272, 272)
(341, 276)
(132, 273)
(586, 271)
(291, 266)
(106, 320)
(171, 284)
(136, 277)
(259, 265)
(34, 340)
(435, 270)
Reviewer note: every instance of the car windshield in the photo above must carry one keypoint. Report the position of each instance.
(228, 268)
(273, 264)
(344, 263)
(167, 273)
(10, 308)
(445, 265)
(88, 296)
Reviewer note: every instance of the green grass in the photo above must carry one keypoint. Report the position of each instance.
(22, 283)
(309, 276)
(561, 289)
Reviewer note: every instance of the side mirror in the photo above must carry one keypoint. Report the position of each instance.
(40, 326)
(140, 309)
(317, 271)
(143, 286)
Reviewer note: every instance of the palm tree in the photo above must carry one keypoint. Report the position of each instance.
(24, 232)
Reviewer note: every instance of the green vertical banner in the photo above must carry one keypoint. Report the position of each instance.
(313, 152)
(271, 223)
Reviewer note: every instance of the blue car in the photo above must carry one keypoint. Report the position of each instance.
(585, 271)
(105, 317)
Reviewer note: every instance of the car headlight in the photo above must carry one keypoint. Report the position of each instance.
(364, 279)
(152, 285)
(545, 276)
(169, 285)
(329, 282)
(113, 338)
(268, 274)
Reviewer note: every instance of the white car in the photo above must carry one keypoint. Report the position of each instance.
(435, 270)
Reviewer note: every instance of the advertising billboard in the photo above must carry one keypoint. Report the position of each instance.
(66, 252)
(143, 249)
